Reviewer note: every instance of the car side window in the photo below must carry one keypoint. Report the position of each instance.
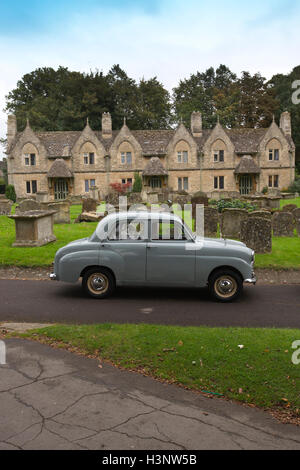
(130, 229)
(167, 230)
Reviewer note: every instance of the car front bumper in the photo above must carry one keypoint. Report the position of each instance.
(253, 280)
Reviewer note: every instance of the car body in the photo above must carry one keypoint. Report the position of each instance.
(159, 251)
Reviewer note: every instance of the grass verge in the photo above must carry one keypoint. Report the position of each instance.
(198, 358)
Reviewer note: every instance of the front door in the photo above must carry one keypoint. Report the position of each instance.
(61, 189)
(169, 262)
(245, 184)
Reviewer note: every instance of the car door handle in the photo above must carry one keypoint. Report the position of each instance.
(105, 244)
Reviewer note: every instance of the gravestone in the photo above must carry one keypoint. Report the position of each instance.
(256, 233)
(198, 198)
(262, 214)
(274, 192)
(289, 208)
(231, 220)
(34, 228)
(5, 206)
(211, 218)
(28, 205)
(62, 211)
(283, 224)
(89, 204)
(296, 214)
(42, 196)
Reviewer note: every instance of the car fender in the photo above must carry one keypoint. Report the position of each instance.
(71, 265)
(206, 264)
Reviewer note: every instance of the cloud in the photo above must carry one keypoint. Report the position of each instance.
(169, 39)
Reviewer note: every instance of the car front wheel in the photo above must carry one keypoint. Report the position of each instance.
(98, 283)
(225, 285)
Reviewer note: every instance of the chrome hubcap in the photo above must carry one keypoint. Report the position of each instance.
(98, 283)
(225, 286)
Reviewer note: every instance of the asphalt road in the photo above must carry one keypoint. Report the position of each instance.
(46, 301)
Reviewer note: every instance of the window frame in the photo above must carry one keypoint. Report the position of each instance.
(219, 182)
(219, 156)
(274, 155)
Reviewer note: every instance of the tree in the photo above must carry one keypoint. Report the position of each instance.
(137, 184)
(10, 192)
(213, 92)
(257, 103)
(62, 100)
(281, 86)
(247, 101)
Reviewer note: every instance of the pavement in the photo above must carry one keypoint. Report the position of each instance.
(53, 399)
(259, 306)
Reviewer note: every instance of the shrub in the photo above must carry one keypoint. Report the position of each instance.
(10, 192)
(121, 188)
(137, 184)
(295, 186)
(235, 204)
(265, 190)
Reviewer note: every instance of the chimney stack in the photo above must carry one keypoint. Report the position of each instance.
(11, 128)
(285, 123)
(196, 124)
(106, 126)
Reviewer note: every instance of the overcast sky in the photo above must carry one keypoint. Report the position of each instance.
(169, 39)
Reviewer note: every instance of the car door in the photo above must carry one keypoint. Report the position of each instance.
(126, 254)
(170, 260)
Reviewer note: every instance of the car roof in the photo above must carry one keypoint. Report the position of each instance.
(143, 215)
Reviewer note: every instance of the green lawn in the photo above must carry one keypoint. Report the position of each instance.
(285, 202)
(285, 254)
(44, 255)
(200, 358)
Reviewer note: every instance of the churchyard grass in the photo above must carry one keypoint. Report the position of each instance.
(285, 254)
(258, 372)
(285, 202)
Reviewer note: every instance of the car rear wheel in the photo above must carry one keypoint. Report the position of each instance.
(98, 283)
(225, 285)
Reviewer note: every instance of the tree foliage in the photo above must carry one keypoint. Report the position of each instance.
(62, 100)
(10, 192)
(137, 184)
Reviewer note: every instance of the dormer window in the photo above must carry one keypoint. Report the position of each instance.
(183, 156)
(126, 157)
(89, 158)
(218, 156)
(29, 159)
(273, 155)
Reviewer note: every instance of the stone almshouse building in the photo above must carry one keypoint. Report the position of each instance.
(71, 162)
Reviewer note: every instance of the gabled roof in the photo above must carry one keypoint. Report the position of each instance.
(154, 168)
(246, 140)
(58, 143)
(247, 166)
(152, 142)
(59, 169)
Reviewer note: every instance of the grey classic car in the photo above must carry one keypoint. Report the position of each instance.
(154, 249)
